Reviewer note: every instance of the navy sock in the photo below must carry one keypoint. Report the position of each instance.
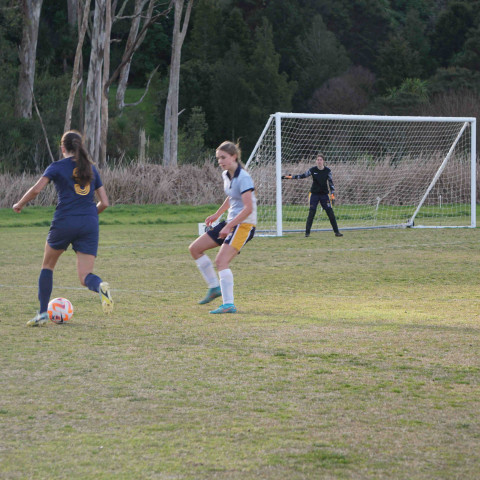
(45, 285)
(92, 282)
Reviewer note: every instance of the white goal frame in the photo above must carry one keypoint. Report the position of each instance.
(263, 154)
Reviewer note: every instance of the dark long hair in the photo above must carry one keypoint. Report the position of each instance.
(73, 143)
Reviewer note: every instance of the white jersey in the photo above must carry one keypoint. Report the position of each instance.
(234, 187)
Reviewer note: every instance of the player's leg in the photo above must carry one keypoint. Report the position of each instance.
(226, 254)
(45, 284)
(85, 264)
(85, 244)
(234, 242)
(327, 206)
(314, 199)
(205, 266)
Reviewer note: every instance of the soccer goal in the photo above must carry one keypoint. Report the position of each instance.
(388, 171)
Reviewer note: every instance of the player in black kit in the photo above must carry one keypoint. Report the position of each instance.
(321, 191)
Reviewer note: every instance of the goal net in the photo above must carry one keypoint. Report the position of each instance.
(387, 171)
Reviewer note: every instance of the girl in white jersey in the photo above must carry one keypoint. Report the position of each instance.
(231, 235)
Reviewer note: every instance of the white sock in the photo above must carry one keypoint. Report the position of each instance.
(207, 270)
(226, 283)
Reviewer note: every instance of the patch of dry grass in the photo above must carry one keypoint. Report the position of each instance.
(135, 184)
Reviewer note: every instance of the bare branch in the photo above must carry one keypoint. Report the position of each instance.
(146, 90)
(43, 126)
(76, 82)
(127, 56)
(120, 12)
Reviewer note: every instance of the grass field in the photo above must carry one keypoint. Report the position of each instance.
(350, 358)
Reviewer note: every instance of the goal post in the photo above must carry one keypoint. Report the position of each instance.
(388, 171)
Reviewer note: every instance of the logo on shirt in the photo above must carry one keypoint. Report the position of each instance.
(79, 190)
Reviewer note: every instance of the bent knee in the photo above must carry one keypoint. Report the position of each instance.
(222, 263)
(195, 251)
(221, 266)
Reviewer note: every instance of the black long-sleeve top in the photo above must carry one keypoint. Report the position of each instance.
(322, 180)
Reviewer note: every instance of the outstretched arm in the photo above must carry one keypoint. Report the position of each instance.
(289, 176)
(31, 194)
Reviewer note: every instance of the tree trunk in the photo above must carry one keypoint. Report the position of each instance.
(99, 78)
(93, 100)
(170, 134)
(132, 37)
(77, 67)
(28, 48)
(102, 161)
(72, 12)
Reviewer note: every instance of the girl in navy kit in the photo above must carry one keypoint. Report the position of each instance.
(75, 221)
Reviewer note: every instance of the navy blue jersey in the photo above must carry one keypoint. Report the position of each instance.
(73, 199)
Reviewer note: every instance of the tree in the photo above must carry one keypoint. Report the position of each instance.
(72, 9)
(205, 38)
(31, 19)
(451, 31)
(170, 135)
(360, 26)
(231, 96)
(77, 66)
(288, 19)
(93, 95)
(397, 60)
(133, 39)
(469, 57)
(407, 99)
(319, 56)
(235, 30)
(272, 90)
(99, 78)
(349, 93)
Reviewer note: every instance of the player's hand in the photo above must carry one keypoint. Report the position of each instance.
(331, 196)
(211, 219)
(224, 232)
(17, 208)
(287, 176)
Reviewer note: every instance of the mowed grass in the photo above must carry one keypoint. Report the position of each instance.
(350, 358)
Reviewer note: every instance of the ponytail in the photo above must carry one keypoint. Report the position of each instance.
(72, 142)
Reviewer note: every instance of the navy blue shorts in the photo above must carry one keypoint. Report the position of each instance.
(81, 232)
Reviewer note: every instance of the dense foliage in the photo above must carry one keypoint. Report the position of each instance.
(246, 59)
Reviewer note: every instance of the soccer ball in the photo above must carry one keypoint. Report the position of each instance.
(60, 310)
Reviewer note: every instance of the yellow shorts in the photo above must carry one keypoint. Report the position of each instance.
(241, 234)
